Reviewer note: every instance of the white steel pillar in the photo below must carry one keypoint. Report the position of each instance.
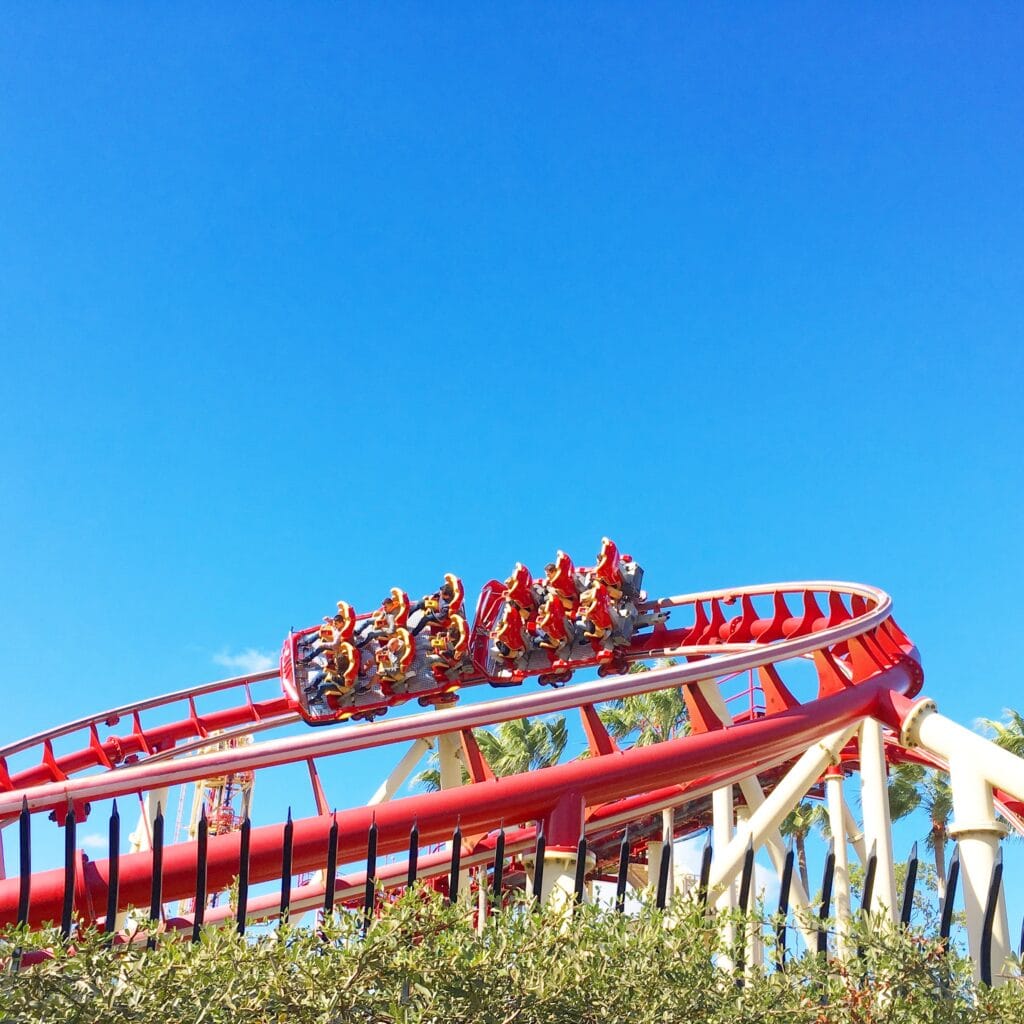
(721, 836)
(787, 793)
(978, 833)
(925, 727)
(142, 837)
(655, 853)
(841, 879)
(559, 885)
(387, 789)
(854, 834)
(877, 822)
(448, 760)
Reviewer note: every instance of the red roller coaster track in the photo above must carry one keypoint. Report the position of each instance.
(864, 667)
(845, 631)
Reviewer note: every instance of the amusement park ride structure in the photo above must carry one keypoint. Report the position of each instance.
(831, 694)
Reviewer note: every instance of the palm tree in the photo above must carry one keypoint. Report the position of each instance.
(905, 780)
(798, 825)
(514, 747)
(913, 787)
(522, 746)
(1008, 734)
(648, 717)
(938, 804)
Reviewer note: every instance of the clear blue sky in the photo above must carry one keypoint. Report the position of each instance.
(299, 304)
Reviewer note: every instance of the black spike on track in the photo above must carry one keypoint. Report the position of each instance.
(869, 880)
(286, 867)
(949, 901)
(785, 885)
(68, 909)
(620, 881)
(908, 889)
(199, 908)
(580, 881)
(538, 864)
(157, 880)
(661, 897)
(242, 907)
(705, 873)
(331, 881)
(746, 876)
(453, 876)
(991, 905)
(826, 896)
(869, 888)
(113, 870)
(498, 875)
(370, 892)
(25, 862)
(414, 856)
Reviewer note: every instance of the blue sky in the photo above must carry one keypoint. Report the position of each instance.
(302, 304)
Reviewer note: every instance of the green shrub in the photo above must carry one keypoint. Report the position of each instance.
(422, 961)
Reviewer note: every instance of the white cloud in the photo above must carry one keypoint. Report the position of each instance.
(94, 841)
(249, 661)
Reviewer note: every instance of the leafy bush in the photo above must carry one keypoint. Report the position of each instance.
(423, 961)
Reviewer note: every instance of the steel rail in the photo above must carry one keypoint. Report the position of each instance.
(127, 710)
(871, 594)
(148, 776)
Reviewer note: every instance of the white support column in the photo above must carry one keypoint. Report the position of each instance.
(400, 772)
(788, 792)
(925, 727)
(841, 880)
(449, 760)
(979, 834)
(854, 834)
(753, 794)
(142, 837)
(559, 885)
(877, 823)
(721, 837)
(655, 852)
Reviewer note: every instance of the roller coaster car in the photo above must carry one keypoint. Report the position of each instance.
(571, 619)
(359, 666)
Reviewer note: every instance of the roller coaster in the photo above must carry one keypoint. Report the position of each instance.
(790, 688)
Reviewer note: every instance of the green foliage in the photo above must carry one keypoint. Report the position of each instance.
(1008, 734)
(511, 748)
(647, 718)
(424, 962)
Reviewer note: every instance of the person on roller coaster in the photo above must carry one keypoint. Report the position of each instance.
(450, 647)
(560, 579)
(342, 671)
(595, 613)
(554, 629)
(607, 569)
(520, 591)
(391, 615)
(439, 608)
(334, 630)
(395, 656)
(510, 637)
